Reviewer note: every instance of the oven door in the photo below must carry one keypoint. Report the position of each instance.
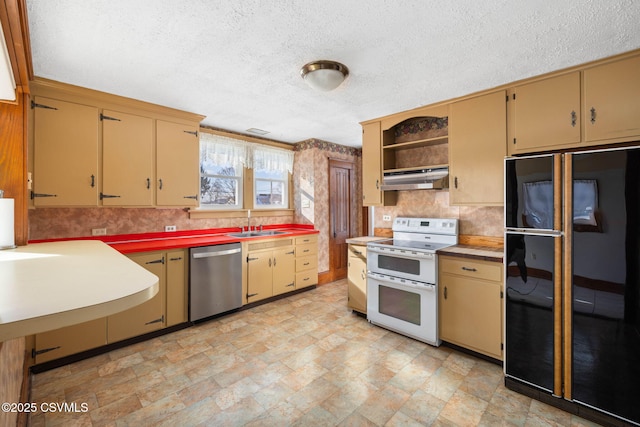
(404, 306)
(403, 263)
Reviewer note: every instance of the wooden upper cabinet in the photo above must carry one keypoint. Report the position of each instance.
(372, 168)
(477, 147)
(177, 164)
(371, 164)
(65, 153)
(612, 100)
(127, 159)
(546, 114)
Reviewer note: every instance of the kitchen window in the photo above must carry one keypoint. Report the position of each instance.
(225, 170)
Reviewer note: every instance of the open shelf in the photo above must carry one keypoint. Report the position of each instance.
(418, 143)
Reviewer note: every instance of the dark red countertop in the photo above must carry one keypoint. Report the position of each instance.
(146, 242)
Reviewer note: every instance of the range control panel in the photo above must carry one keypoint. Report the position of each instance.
(426, 225)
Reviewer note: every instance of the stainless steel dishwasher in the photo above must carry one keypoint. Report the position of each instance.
(215, 280)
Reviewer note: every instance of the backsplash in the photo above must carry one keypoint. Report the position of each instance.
(475, 221)
(53, 223)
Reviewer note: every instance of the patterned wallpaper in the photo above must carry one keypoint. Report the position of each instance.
(311, 187)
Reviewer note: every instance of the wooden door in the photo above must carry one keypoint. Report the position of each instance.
(148, 316)
(371, 164)
(357, 284)
(70, 340)
(477, 147)
(177, 163)
(611, 107)
(284, 270)
(176, 287)
(547, 114)
(65, 153)
(259, 276)
(127, 159)
(340, 173)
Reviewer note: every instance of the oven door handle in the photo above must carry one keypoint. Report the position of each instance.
(404, 253)
(407, 284)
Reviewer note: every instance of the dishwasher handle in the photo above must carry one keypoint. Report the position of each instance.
(216, 253)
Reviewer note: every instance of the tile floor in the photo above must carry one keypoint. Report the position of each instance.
(302, 361)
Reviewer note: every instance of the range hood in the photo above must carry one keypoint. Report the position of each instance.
(435, 178)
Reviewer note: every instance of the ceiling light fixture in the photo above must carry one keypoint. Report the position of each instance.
(324, 75)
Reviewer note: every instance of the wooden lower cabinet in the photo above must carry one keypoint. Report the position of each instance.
(148, 316)
(306, 261)
(357, 278)
(470, 304)
(177, 287)
(70, 340)
(270, 268)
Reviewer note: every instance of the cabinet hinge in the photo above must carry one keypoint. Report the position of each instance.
(514, 96)
(253, 259)
(501, 346)
(191, 132)
(36, 105)
(103, 117)
(160, 320)
(507, 98)
(34, 353)
(251, 295)
(34, 195)
(108, 196)
(501, 295)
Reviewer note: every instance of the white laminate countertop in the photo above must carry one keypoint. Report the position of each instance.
(363, 240)
(45, 286)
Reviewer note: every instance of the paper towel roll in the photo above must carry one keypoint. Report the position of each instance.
(7, 239)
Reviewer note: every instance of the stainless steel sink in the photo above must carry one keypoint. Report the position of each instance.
(256, 233)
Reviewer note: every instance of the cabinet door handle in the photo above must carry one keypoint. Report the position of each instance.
(306, 263)
(291, 284)
(445, 292)
(274, 261)
(574, 119)
(157, 261)
(93, 181)
(455, 182)
(269, 262)
(358, 253)
(160, 182)
(191, 197)
(377, 184)
(148, 183)
(160, 320)
(290, 253)
(593, 116)
(251, 295)
(364, 277)
(175, 259)
(469, 269)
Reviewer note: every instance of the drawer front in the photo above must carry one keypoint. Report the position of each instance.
(307, 249)
(486, 270)
(309, 238)
(306, 278)
(306, 263)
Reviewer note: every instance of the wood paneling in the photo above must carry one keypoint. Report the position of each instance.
(13, 161)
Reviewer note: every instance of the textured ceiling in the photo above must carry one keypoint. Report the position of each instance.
(238, 61)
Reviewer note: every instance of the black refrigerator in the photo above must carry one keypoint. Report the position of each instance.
(572, 281)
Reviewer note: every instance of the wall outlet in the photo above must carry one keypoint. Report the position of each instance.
(170, 228)
(98, 231)
(386, 217)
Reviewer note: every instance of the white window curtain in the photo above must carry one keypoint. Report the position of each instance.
(272, 159)
(224, 150)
